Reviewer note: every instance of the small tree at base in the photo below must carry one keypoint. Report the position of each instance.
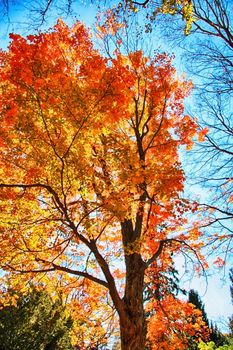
(36, 322)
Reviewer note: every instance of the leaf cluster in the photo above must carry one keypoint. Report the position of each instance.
(35, 323)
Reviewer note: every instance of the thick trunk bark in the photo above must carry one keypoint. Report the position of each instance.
(132, 319)
(132, 337)
(133, 326)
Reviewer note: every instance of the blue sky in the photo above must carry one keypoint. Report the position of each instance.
(215, 294)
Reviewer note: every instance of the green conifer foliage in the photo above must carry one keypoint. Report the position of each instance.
(36, 323)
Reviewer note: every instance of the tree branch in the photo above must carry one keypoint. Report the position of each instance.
(60, 268)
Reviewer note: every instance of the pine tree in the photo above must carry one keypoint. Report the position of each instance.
(195, 299)
(215, 334)
(35, 323)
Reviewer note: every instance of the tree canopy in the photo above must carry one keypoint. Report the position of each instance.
(91, 182)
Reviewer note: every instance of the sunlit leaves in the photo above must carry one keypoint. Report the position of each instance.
(90, 144)
(173, 323)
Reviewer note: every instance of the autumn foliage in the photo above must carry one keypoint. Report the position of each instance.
(90, 176)
(174, 323)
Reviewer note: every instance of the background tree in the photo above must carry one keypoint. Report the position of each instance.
(36, 322)
(207, 54)
(211, 346)
(173, 323)
(90, 173)
(215, 335)
(171, 320)
(231, 291)
(194, 298)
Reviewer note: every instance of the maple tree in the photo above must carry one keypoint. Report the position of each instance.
(90, 177)
(174, 323)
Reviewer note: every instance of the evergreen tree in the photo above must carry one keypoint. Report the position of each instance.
(35, 323)
(195, 299)
(215, 334)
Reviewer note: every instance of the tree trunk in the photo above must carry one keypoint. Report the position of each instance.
(133, 335)
(133, 325)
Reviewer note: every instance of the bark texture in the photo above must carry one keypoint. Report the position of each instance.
(132, 322)
(133, 326)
